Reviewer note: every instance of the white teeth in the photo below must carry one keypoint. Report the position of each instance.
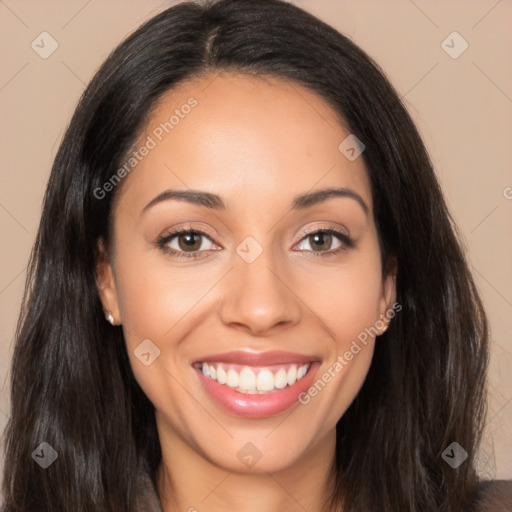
(265, 381)
(247, 380)
(232, 379)
(221, 375)
(292, 375)
(281, 379)
(250, 382)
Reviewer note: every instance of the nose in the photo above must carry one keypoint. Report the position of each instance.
(258, 298)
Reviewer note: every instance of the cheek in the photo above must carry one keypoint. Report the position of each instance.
(348, 298)
(154, 296)
(155, 300)
(349, 310)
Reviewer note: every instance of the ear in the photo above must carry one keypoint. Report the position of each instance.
(388, 298)
(105, 283)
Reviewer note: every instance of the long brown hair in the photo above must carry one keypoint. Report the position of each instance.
(72, 386)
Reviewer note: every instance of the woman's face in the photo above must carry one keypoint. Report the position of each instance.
(254, 298)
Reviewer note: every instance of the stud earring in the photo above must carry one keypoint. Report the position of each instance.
(110, 318)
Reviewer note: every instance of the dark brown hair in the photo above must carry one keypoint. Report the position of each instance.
(72, 384)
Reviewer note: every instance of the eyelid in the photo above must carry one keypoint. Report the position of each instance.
(173, 232)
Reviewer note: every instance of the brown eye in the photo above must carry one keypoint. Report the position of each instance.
(320, 241)
(189, 241)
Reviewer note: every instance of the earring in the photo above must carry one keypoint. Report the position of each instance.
(110, 318)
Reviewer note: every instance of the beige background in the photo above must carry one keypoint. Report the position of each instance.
(462, 106)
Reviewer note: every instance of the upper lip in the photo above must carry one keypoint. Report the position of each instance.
(257, 358)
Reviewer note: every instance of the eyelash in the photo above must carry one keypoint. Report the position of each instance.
(347, 242)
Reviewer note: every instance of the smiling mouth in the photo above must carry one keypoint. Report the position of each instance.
(254, 380)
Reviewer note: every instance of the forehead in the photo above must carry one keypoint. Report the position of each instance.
(234, 134)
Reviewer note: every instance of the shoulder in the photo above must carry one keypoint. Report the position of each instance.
(493, 496)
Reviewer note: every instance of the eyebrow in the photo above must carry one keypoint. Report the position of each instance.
(215, 202)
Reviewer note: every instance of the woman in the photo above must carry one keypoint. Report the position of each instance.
(246, 291)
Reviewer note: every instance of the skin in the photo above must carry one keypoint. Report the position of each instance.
(257, 143)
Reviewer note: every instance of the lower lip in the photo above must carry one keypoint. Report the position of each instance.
(257, 406)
